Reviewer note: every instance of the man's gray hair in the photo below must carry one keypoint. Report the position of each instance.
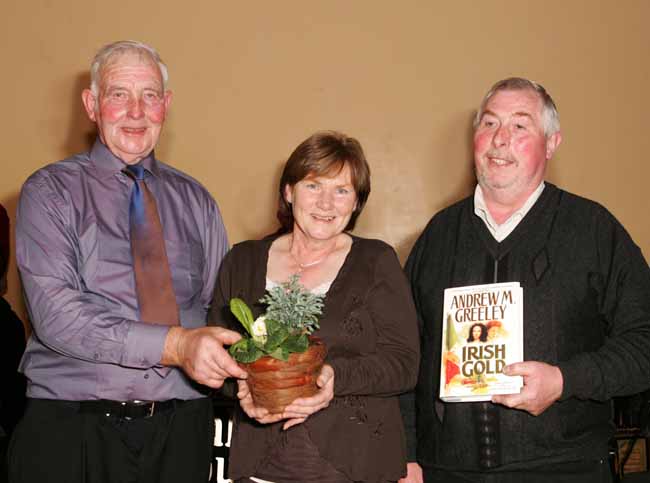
(550, 117)
(116, 49)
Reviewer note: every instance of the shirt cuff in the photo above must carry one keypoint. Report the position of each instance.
(144, 345)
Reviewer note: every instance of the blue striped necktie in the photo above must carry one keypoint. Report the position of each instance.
(153, 281)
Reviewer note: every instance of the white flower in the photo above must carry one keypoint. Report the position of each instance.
(259, 330)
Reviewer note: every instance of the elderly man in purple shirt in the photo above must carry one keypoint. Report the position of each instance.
(112, 397)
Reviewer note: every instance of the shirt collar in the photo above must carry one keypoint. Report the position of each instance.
(481, 210)
(107, 164)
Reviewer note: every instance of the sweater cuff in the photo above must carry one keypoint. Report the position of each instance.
(576, 380)
(339, 376)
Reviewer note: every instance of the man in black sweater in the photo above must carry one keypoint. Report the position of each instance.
(586, 311)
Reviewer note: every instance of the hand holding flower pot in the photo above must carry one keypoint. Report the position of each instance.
(298, 410)
(282, 360)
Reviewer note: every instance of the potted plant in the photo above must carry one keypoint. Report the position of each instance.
(281, 357)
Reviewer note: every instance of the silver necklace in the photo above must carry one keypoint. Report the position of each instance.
(302, 266)
(311, 264)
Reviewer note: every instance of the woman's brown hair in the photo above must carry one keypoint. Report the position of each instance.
(325, 153)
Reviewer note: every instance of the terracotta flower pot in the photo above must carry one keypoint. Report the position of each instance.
(275, 383)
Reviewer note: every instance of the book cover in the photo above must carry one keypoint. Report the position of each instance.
(482, 332)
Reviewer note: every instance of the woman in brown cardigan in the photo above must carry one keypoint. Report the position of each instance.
(351, 430)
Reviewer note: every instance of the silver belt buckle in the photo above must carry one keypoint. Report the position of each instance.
(151, 404)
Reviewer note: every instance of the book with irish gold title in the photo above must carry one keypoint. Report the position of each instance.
(482, 332)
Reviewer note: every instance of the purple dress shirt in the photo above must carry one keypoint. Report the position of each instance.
(74, 257)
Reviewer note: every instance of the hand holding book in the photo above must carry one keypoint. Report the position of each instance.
(543, 385)
(482, 333)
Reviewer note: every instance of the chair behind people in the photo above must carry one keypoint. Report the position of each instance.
(632, 416)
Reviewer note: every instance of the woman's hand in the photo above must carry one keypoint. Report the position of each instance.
(413, 474)
(259, 414)
(300, 409)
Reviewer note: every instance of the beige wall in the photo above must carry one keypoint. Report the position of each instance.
(253, 79)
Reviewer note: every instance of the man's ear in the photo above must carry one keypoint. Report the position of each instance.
(552, 143)
(90, 103)
(168, 99)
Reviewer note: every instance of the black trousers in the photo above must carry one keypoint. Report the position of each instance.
(57, 442)
(596, 471)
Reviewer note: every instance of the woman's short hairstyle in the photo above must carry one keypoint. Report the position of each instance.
(321, 154)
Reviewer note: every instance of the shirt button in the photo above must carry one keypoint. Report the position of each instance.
(146, 376)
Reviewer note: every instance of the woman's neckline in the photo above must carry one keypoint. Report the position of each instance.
(341, 273)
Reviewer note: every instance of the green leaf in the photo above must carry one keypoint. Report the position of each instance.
(258, 344)
(245, 351)
(280, 353)
(296, 343)
(240, 310)
(272, 325)
(240, 345)
(250, 356)
(277, 334)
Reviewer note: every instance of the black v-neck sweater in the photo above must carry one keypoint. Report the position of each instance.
(586, 309)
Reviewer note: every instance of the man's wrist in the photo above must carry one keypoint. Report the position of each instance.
(171, 355)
